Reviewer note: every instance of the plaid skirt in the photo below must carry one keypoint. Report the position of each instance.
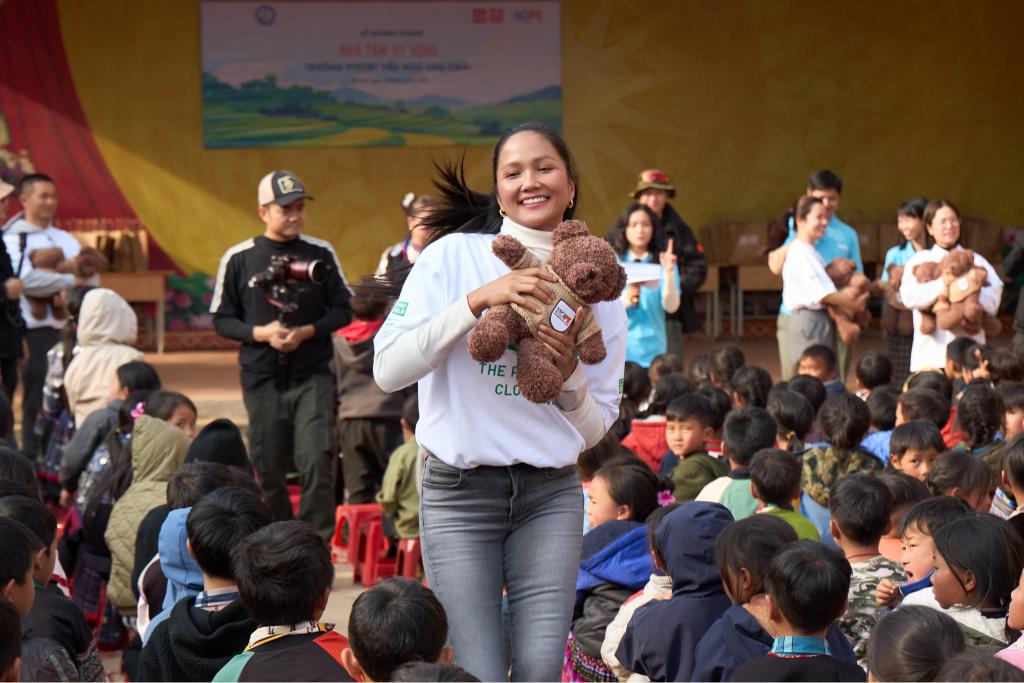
(579, 666)
(899, 354)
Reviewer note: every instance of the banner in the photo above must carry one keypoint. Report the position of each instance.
(303, 74)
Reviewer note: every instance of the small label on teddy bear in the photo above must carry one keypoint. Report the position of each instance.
(562, 316)
(963, 284)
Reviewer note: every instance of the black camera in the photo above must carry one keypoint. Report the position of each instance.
(285, 269)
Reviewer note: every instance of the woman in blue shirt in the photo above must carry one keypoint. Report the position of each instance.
(913, 238)
(638, 237)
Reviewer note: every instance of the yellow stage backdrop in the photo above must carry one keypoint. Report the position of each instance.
(737, 100)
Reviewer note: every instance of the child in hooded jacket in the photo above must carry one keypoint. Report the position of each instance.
(614, 561)
(661, 640)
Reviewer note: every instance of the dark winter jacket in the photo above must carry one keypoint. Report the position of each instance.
(78, 452)
(615, 564)
(193, 644)
(661, 639)
(11, 324)
(693, 267)
(737, 638)
(819, 668)
(358, 393)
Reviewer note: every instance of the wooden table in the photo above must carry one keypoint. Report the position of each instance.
(148, 286)
(750, 278)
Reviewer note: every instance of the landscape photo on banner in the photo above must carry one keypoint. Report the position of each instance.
(318, 74)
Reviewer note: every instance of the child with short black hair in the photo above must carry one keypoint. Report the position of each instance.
(874, 370)
(922, 404)
(428, 673)
(860, 506)
(844, 422)
(725, 361)
(395, 622)
(17, 564)
(775, 482)
(811, 388)
(975, 665)
(1005, 367)
(914, 448)
(1007, 500)
(820, 361)
(956, 358)
(646, 438)
(398, 496)
(980, 417)
(743, 552)
(721, 404)
(688, 421)
(700, 368)
(10, 642)
(284, 575)
(958, 473)
(54, 617)
(1013, 405)
(906, 492)
(806, 585)
(750, 386)
(882, 411)
(912, 644)
(793, 415)
(204, 632)
(978, 563)
(747, 431)
(664, 364)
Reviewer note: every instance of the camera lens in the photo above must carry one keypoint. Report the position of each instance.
(317, 272)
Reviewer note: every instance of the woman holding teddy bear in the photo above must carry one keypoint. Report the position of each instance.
(931, 286)
(501, 504)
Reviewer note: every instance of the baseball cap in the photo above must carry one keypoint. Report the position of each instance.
(281, 188)
(653, 179)
(6, 189)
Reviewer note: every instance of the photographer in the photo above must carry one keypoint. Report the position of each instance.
(267, 296)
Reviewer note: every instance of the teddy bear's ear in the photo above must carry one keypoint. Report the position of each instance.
(568, 230)
(620, 284)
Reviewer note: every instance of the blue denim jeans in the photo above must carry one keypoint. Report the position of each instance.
(517, 527)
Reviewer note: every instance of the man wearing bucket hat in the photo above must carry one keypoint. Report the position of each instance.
(11, 324)
(653, 190)
(282, 295)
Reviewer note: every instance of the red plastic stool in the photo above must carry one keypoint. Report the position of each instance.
(409, 560)
(355, 516)
(295, 496)
(375, 563)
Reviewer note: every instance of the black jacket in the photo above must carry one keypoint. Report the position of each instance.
(193, 644)
(819, 668)
(693, 267)
(1013, 265)
(237, 308)
(11, 324)
(88, 437)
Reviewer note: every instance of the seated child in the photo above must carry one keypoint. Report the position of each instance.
(806, 585)
(912, 644)
(813, 390)
(914, 448)
(860, 507)
(284, 575)
(687, 429)
(423, 672)
(203, 633)
(396, 622)
(1013, 403)
(658, 587)
(873, 370)
(742, 552)
(1014, 654)
(956, 359)
(916, 404)
(747, 431)
(593, 459)
(882, 411)
(978, 562)
(614, 559)
(662, 636)
(661, 365)
(918, 558)
(53, 616)
(775, 482)
(819, 361)
(750, 386)
(636, 391)
(721, 404)
(905, 492)
(844, 422)
(1005, 367)
(646, 438)
(10, 642)
(398, 496)
(725, 361)
(793, 415)
(974, 665)
(1007, 499)
(700, 368)
(958, 473)
(980, 417)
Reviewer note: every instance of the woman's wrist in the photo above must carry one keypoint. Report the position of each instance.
(477, 302)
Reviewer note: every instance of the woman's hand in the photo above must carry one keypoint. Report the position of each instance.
(631, 297)
(668, 258)
(513, 288)
(562, 345)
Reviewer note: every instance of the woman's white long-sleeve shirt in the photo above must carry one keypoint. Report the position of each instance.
(471, 413)
(929, 350)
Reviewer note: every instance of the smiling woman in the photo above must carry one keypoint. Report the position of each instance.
(502, 504)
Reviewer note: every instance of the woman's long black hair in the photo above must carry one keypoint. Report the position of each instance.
(617, 235)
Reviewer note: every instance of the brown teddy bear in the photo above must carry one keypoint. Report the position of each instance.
(587, 273)
(85, 265)
(958, 305)
(896, 318)
(844, 275)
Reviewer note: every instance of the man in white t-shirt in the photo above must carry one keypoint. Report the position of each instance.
(27, 231)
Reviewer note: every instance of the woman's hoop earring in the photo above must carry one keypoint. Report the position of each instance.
(571, 202)
(501, 212)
